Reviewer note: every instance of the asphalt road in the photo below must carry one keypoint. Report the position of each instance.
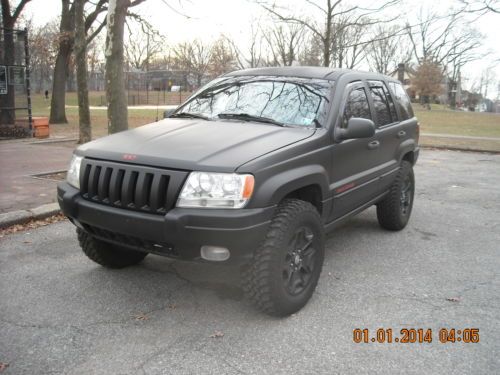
(60, 313)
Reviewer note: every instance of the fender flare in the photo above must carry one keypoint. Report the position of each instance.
(406, 146)
(275, 188)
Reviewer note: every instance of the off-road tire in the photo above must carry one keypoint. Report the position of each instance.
(264, 278)
(390, 211)
(106, 254)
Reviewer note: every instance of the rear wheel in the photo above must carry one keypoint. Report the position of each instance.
(394, 211)
(106, 254)
(285, 269)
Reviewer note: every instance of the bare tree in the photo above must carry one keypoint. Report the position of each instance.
(312, 54)
(480, 6)
(488, 78)
(387, 50)
(437, 38)
(143, 45)
(348, 47)
(95, 63)
(43, 49)
(336, 17)
(446, 42)
(223, 57)
(253, 56)
(9, 19)
(115, 80)
(285, 42)
(194, 57)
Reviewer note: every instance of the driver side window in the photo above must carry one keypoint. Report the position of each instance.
(356, 106)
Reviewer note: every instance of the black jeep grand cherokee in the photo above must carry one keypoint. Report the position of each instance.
(252, 171)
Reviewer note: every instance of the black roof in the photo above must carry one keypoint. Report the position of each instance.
(299, 71)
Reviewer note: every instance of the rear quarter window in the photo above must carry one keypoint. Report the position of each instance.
(402, 100)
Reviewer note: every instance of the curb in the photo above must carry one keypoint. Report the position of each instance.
(55, 140)
(462, 149)
(23, 216)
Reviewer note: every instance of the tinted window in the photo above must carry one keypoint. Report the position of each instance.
(356, 106)
(402, 100)
(382, 101)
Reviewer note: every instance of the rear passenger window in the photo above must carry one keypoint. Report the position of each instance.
(382, 101)
(402, 100)
(356, 106)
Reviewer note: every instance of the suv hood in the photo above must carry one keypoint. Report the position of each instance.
(192, 144)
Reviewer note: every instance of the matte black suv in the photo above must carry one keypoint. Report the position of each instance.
(251, 170)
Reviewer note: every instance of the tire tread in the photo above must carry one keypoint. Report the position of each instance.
(256, 277)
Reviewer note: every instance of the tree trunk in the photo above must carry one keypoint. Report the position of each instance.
(7, 101)
(115, 81)
(81, 73)
(66, 43)
(58, 101)
(328, 34)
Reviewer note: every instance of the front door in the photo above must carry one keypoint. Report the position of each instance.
(356, 162)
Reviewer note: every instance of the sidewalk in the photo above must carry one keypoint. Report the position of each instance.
(19, 161)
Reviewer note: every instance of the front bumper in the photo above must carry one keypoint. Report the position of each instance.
(179, 233)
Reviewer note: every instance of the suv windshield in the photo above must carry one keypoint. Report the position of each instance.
(273, 100)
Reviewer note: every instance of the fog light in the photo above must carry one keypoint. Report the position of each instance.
(214, 253)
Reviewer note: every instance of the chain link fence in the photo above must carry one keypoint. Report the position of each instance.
(15, 100)
(153, 88)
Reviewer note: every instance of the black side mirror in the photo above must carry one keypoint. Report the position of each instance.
(168, 113)
(358, 128)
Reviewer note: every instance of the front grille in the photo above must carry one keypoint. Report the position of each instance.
(131, 241)
(128, 186)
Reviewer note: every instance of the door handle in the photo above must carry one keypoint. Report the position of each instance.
(401, 134)
(373, 145)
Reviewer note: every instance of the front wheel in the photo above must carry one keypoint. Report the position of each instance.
(285, 269)
(394, 211)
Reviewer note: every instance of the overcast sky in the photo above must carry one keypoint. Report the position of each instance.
(210, 18)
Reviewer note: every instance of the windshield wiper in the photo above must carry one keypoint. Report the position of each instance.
(248, 117)
(189, 115)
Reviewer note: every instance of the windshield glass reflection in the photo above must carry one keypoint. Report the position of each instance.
(291, 101)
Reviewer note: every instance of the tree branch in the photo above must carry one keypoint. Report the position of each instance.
(96, 32)
(19, 9)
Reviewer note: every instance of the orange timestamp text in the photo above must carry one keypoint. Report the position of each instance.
(414, 335)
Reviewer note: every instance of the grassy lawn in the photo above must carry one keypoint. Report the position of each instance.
(458, 123)
(137, 117)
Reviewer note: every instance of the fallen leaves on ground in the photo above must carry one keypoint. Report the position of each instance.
(31, 225)
(217, 335)
(141, 317)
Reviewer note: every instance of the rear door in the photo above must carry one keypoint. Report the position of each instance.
(390, 133)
